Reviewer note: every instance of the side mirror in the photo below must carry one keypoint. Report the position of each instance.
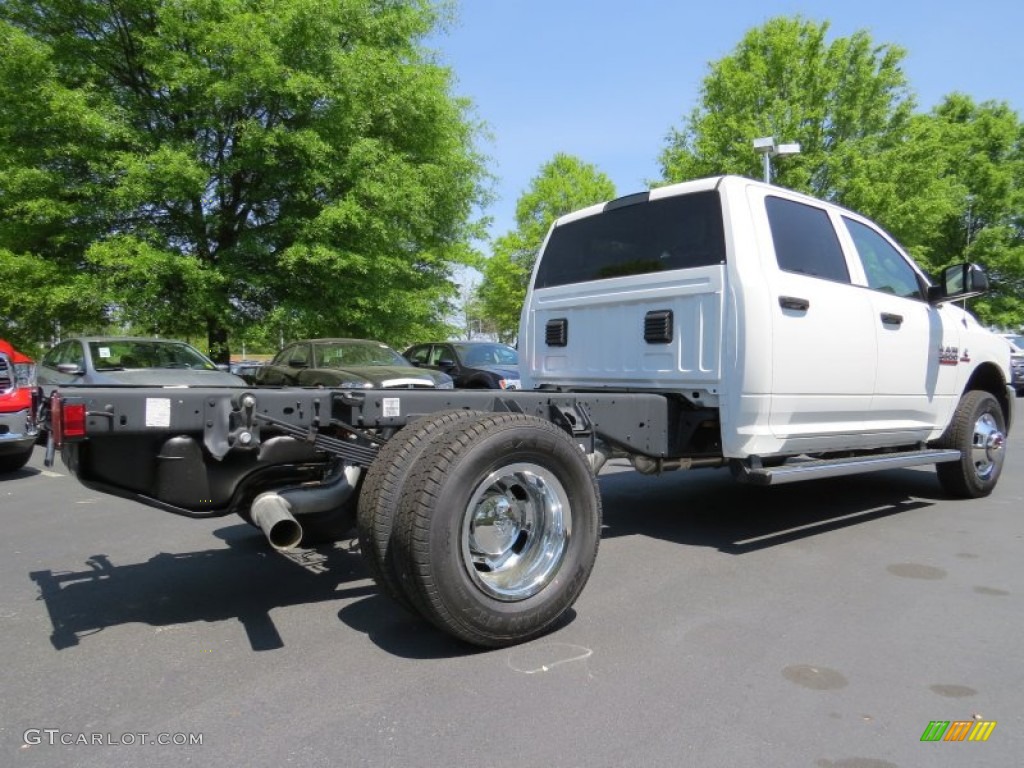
(445, 362)
(72, 369)
(297, 364)
(960, 281)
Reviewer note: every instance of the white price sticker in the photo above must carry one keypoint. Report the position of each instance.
(391, 407)
(158, 412)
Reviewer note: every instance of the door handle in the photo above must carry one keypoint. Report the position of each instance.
(890, 319)
(794, 302)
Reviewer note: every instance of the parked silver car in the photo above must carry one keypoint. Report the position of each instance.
(139, 361)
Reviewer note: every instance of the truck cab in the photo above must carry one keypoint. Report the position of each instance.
(802, 327)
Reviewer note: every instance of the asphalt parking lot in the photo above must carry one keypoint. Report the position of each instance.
(822, 624)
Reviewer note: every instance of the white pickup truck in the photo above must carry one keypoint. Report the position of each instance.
(715, 323)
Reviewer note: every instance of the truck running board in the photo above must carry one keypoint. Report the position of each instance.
(796, 469)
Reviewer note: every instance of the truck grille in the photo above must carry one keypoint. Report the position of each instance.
(407, 384)
(6, 375)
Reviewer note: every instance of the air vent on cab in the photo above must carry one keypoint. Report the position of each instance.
(658, 326)
(556, 332)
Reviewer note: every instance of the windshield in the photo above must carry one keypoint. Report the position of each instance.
(345, 354)
(487, 354)
(113, 354)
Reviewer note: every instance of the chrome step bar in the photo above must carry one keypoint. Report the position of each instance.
(797, 469)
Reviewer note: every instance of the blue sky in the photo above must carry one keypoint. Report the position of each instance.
(606, 81)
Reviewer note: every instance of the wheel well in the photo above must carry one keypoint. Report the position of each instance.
(989, 378)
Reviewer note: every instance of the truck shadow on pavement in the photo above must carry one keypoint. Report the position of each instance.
(707, 508)
(246, 582)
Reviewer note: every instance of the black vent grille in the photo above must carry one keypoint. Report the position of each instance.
(658, 326)
(556, 332)
(6, 375)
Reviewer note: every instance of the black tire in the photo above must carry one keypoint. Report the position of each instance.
(15, 461)
(383, 486)
(502, 532)
(978, 431)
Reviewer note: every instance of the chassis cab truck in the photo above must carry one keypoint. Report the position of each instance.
(715, 323)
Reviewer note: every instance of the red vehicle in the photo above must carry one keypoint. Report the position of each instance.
(19, 402)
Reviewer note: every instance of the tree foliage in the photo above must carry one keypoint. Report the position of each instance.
(217, 164)
(949, 184)
(785, 80)
(984, 153)
(564, 184)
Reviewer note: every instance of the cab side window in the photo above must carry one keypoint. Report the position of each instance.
(439, 353)
(299, 356)
(73, 354)
(884, 266)
(51, 358)
(419, 354)
(805, 240)
(281, 358)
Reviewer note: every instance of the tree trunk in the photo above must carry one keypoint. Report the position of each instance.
(217, 342)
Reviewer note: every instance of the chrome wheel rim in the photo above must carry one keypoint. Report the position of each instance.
(987, 446)
(515, 531)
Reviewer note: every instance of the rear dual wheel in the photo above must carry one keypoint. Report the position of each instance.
(384, 484)
(498, 529)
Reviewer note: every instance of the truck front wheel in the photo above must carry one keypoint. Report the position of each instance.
(502, 531)
(978, 431)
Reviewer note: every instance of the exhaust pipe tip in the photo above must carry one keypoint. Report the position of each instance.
(273, 515)
(284, 534)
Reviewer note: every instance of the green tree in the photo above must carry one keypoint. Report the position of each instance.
(215, 164)
(983, 147)
(564, 184)
(785, 80)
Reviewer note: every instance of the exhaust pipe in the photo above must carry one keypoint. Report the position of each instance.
(273, 515)
(274, 511)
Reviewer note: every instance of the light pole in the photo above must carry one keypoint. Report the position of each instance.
(767, 148)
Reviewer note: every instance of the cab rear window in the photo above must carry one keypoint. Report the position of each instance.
(634, 238)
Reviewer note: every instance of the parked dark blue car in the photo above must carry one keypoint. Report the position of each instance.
(472, 364)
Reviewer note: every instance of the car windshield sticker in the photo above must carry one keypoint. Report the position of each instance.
(104, 352)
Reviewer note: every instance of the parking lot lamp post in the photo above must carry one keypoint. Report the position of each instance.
(767, 148)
